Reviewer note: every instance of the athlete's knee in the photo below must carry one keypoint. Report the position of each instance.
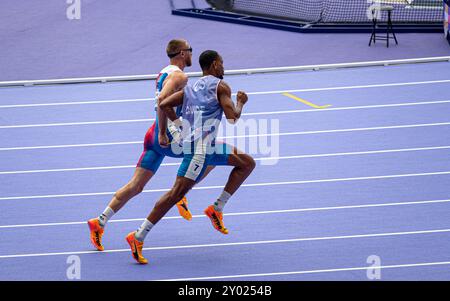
(136, 187)
(252, 163)
(242, 161)
(248, 163)
(140, 178)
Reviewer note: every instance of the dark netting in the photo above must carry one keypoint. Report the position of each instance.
(336, 11)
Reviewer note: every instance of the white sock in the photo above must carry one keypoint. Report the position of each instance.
(221, 201)
(105, 216)
(143, 230)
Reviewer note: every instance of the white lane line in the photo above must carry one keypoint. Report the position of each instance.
(77, 169)
(350, 108)
(386, 151)
(235, 137)
(70, 145)
(30, 105)
(244, 185)
(244, 114)
(397, 266)
(344, 130)
(241, 213)
(261, 242)
(354, 87)
(21, 126)
(248, 93)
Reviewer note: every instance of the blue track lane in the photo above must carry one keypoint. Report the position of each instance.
(336, 225)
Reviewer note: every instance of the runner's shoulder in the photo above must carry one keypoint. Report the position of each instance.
(178, 75)
(223, 87)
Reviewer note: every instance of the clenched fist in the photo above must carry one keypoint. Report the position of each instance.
(163, 140)
(241, 97)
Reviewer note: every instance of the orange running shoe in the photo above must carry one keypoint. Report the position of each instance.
(136, 248)
(216, 218)
(96, 233)
(183, 209)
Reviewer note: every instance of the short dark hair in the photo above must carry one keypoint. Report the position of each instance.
(207, 58)
(174, 46)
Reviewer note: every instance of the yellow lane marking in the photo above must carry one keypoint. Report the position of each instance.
(305, 101)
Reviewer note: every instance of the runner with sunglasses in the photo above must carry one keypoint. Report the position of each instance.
(170, 80)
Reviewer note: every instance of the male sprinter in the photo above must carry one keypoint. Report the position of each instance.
(203, 105)
(170, 80)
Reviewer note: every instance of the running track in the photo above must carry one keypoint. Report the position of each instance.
(368, 175)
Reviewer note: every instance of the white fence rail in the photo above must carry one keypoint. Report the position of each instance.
(229, 72)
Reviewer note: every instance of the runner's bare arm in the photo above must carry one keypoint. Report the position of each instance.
(170, 102)
(174, 82)
(232, 112)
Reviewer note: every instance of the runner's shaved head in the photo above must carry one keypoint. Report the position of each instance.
(175, 46)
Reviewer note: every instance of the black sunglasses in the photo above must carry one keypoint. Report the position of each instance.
(177, 53)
